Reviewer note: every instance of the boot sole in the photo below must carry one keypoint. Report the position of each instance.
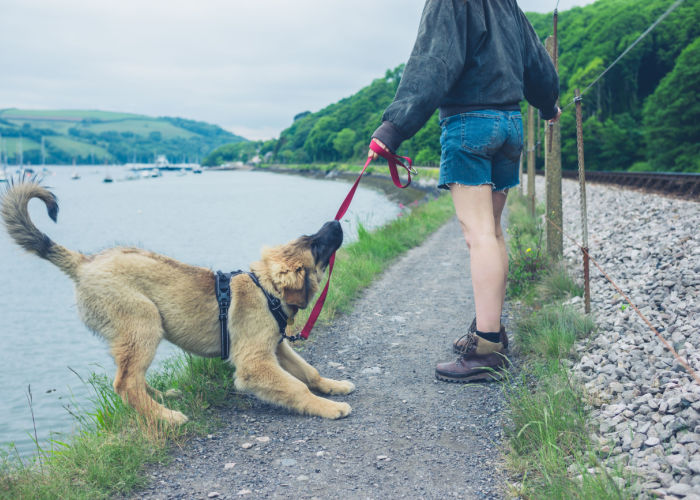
(490, 376)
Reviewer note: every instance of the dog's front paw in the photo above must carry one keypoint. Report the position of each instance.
(341, 410)
(342, 387)
(335, 410)
(174, 417)
(330, 386)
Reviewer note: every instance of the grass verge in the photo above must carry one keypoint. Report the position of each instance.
(552, 454)
(108, 454)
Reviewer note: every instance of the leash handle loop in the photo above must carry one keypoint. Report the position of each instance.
(393, 161)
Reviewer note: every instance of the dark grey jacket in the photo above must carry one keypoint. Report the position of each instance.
(469, 55)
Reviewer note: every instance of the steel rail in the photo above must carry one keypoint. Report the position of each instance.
(682, 185)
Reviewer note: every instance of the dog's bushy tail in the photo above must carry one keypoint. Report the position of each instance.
(16, 217)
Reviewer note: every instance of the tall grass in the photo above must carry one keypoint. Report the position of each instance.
(551, 456)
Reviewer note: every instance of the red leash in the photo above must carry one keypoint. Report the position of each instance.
(393, 160)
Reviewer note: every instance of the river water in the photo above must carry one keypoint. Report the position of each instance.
(219, 219)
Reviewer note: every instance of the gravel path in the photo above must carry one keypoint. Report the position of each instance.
(408, 436)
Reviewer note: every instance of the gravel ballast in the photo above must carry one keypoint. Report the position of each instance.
(647, 407)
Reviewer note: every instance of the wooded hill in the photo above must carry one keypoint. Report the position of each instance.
(99, 136)
(644, 114)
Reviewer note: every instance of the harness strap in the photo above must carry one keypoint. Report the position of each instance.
(393, 161)
(275, 306)
(223, 296)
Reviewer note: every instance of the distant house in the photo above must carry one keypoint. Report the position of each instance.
(255, 160)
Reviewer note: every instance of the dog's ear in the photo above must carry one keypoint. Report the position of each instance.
(289, 276)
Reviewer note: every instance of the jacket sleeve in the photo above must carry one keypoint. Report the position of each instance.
(540, 79)
(436, 61)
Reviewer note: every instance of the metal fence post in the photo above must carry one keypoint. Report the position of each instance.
(584, 210)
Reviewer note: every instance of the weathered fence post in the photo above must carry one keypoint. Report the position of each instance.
(531, 159)
(584, 210)
(552, 172)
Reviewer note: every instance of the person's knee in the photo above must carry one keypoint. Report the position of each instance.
(479, 237)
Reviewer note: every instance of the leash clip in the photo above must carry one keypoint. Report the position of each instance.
(291, 338)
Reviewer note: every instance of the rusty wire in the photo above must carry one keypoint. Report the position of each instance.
(636, 309)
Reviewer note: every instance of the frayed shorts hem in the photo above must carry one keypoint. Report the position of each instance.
(446, 185)
(500, 190)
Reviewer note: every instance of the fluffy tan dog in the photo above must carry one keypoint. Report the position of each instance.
(134, 298)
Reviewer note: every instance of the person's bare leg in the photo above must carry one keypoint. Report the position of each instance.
(499, 202)
(475, 211)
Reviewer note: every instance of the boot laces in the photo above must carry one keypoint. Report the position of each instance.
(467, 342)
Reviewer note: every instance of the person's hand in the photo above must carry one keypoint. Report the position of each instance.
(372, 154)
(556, 118)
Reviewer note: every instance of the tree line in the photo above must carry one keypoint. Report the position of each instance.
(120, 145)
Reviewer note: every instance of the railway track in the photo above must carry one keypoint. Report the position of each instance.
(682, 185)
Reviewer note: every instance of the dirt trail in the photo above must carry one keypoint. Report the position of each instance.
(408, 436)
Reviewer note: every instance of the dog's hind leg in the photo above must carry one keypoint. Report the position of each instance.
(154, 392)
(133, 349)
(161, 396)
(301, 369)
(130, 384)
(263, 376)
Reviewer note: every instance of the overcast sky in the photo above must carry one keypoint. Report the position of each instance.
(248, 66)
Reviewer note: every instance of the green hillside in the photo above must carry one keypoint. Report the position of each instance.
(642, 115)
(91, 136)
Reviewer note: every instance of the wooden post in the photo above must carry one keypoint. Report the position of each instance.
(552, 172)
(531, 159)
(584, 210)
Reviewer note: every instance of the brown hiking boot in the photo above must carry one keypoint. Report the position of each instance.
(458, 346)
(482, 361)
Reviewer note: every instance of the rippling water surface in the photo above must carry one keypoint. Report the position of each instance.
(218, 220)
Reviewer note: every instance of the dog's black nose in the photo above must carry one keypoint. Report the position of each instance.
(334, 228)
(330, 231)
(327, 240)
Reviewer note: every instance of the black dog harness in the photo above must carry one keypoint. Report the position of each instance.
(223, 296)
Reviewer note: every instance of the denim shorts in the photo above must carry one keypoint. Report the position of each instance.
(481, 147)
